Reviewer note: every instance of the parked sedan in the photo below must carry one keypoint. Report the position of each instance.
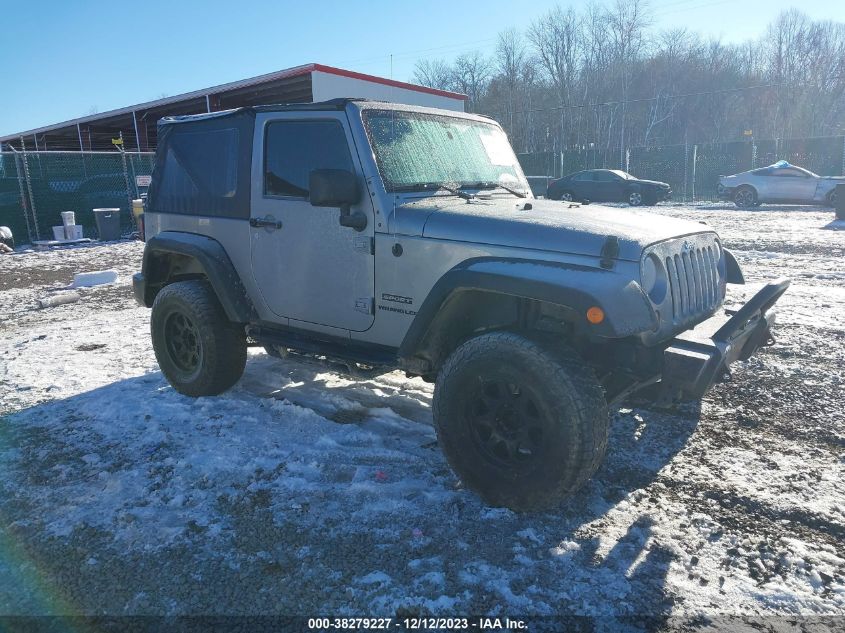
(781, 183)
(608, 185)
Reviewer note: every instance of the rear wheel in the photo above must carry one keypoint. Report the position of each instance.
(200, 352)
(746, 198)
(523, 422)
(566, 196)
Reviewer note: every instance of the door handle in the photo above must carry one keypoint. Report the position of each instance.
(266, 223)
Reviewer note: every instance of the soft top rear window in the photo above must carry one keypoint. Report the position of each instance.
(202, 167)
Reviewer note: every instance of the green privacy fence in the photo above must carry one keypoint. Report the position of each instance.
(35, 187)
(693, 170)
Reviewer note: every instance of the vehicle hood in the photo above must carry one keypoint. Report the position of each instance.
(548, 225)
(836, 178)
(654, 183)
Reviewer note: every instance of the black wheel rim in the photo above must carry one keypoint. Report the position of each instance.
(183, 342)
(505, 423)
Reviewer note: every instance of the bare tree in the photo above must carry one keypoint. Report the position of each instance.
(557, 40)
(433, 73)
(470, 75)
(600, 79)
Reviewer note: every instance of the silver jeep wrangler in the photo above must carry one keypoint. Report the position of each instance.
(391, 236)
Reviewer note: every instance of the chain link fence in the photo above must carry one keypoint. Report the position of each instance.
(691, 170)
(35, 187)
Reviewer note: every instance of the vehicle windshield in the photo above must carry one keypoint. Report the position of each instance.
(417, 151)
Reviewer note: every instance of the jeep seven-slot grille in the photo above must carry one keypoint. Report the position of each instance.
(693, 282)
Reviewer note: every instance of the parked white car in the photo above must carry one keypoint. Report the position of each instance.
(781, 183)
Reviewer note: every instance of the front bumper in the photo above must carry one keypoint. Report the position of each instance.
(724, 193)
(698, 359)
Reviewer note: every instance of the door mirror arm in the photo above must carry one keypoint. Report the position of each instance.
(337, 188)
(357, 220)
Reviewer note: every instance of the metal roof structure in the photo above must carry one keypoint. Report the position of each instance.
(136, 124)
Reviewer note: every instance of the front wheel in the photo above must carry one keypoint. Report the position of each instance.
(745, 198)
(200, 352)
(635, 198)
(523, 422)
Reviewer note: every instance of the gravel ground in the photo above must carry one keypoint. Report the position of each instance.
(305, 491)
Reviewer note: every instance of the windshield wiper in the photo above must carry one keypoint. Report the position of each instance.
(435, 186)
(494, 185)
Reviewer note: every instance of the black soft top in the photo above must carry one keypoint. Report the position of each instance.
(331, 104)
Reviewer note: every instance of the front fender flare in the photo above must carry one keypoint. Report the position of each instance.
(576, 287)
(733, 273)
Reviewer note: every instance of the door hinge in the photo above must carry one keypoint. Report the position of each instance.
(365, 244)
(366, 305)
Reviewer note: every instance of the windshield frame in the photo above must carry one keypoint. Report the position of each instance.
(521, 182)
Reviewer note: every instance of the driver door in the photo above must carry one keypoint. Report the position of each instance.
(792, 185)
(609, 187)
(308, 267)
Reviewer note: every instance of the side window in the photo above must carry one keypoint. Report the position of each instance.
(792, 173)
(293, 149)
(606, 176)
(584, 175)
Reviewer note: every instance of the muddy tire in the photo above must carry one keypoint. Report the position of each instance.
(522, 421)
(200, 352)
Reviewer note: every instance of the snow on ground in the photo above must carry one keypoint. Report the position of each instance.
(306, 491)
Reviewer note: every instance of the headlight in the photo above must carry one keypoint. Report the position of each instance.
(654, 278)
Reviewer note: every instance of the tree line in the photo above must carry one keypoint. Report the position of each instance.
(604, 77)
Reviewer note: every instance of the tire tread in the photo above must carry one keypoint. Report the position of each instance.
(586, 399)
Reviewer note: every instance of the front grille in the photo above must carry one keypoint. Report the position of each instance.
(693, 281)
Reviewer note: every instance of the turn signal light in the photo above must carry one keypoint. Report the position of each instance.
(595, 315)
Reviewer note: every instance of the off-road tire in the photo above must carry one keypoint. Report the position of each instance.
(745, 197)
(187, 311)
(571, 413)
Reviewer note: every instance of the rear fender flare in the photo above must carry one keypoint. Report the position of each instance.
(206, 257)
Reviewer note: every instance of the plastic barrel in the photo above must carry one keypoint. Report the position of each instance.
(108, 224)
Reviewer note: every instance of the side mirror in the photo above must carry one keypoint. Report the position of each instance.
(337, 188)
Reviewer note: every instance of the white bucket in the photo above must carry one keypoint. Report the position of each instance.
(68, 218)
(59, 233)
(73, 232)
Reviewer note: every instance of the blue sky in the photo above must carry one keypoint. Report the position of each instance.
(63, 59)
